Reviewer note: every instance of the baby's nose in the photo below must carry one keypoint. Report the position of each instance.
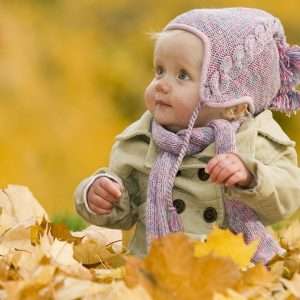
(163, 86)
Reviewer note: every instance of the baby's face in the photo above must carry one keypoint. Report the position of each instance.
(174, 91)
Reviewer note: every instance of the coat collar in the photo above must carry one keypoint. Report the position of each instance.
(263, 124)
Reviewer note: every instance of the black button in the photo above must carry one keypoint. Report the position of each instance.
(179, 205)
(210, 214)
(202, 174)
(178, 173)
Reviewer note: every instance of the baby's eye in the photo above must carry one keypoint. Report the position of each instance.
(159, 70)
(183, 75)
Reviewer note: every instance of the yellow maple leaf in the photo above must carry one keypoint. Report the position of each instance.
(99, 245)
(258, 275)
(29, 289)
(58, 231)
(15, 198)
(225, 243)
(171, 271)
(293, 285)
(90, 252)
(256, 283)
(290, 236)
(62, 233)
(230, 295)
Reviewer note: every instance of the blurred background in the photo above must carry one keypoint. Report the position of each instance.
(72, 76)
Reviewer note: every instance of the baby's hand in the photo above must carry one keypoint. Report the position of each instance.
(102, 195)
(228, 169)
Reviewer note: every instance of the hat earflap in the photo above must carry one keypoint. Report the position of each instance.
(287, 99)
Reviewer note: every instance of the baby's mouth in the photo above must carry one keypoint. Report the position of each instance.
(162, 103)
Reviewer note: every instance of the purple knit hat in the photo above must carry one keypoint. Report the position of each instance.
(246, 58)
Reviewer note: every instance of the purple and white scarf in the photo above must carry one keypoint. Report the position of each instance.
(161, 215)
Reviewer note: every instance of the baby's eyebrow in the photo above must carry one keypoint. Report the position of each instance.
(189, 62)
(183, 68)
(184, 64)
(189, 68)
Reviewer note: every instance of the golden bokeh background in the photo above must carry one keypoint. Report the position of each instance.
(72, 75)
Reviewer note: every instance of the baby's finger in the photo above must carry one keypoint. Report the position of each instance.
(226, 172)
(99, 210)
(214, 162)
(104, 194)
(215, 172)
(234, 179)
(100, 202)
(111, 187)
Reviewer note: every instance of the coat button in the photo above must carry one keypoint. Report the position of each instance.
(179, 205)
(210, 214)
(202, 174)
(178, 173)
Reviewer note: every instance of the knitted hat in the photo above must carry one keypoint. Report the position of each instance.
(246, 58)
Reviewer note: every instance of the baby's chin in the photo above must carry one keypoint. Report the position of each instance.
(171, 127)
(175, 128)
(168, 122)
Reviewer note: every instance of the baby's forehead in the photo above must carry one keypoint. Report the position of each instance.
(178, 45)
(176, 36)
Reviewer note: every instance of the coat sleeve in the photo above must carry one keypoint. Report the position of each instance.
(276, 193)
(124, 214)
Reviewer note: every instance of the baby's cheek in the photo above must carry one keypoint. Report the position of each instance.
(149, 98)
(186, 110)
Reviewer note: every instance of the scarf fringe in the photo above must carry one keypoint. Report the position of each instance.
(174, 220)
(268, 248)
(243, 219)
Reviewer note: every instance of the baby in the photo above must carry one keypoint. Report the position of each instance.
(207, 150)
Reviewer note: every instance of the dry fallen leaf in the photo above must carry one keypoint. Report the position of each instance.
(231, 295)
(99, 246)
(102, 236)
(293, 285)
(225, 243)
(40, 260)
(17, 237)
(73, 289)
(15, 198)
(171, 271)
(290, 236)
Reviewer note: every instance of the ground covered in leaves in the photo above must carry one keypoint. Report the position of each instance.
(42, 260)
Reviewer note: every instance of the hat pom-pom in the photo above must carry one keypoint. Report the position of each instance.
(293, 54)
(287, 99)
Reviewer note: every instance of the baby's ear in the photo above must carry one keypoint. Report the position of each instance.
(236, 112)
(241, 109)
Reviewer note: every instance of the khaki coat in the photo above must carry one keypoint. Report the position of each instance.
(262, 145)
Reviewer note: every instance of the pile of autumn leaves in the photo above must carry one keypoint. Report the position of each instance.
(42, 260)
